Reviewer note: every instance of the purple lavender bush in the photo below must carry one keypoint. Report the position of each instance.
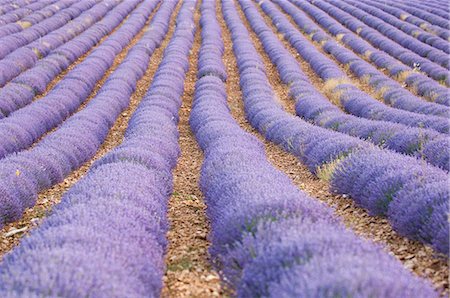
(425, 86)
(80, 136)
(27, 56)
(408, 57)
(35, 119)
(325, 152)
(313, 106)
(107, 237)
(269, 239)
(11, 42)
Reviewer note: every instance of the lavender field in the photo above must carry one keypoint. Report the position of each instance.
(234, 148)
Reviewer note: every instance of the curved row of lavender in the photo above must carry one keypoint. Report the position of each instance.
(35, 17)
(413, 31)
(25, 174)
(23, 88)
(12, 42)
(26, 57)
(424, 85)
(315, 107)
(439, 10)
(268, 238)
(396, 35)
(26, 125)
(400, 38)
(391, 92)
(410, 193)
(436, 17)
(107, 237)
(348, 96)
(18, 14)
(431, 6)
(383, 43)
(406, 17)
(441, 6)
(8, 7)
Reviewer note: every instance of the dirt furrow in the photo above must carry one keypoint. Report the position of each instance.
(189, 273)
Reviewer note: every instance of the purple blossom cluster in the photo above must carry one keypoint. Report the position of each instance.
(414, 197)
(424, 85)
(35, 17)
(269, 239)
(25, 174)
(437, 7)
(392, 92)
(419, 34)
(438, 17)
(14, 41)
(313, 106)
(433, 5)
(351, 98)
(18, 14)
(27, 56)
(26, 125)
(107, 237)
(22, 89)
(320, 148)
(6, 7)
(408, 18)
(383, 43)
(400, 38)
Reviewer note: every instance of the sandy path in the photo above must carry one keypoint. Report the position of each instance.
(189, 273)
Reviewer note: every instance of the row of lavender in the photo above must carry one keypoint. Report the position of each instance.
(354, 100)
(34, 18)
(11, 42)
(410, 29)
(24, 174)
(392, 93)
(268, 238)
(6, 5)
(313, 106)
(26, 57)
(432, 6)
(22, 89)
(26, 125)
(438, 56)
(411, 19)
(22, 12)
(412, 194)
(383, 43)
(438, 6)
(107, 237)
(424, 86)
(437, 17)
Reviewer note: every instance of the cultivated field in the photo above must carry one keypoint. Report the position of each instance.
(250, 148)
